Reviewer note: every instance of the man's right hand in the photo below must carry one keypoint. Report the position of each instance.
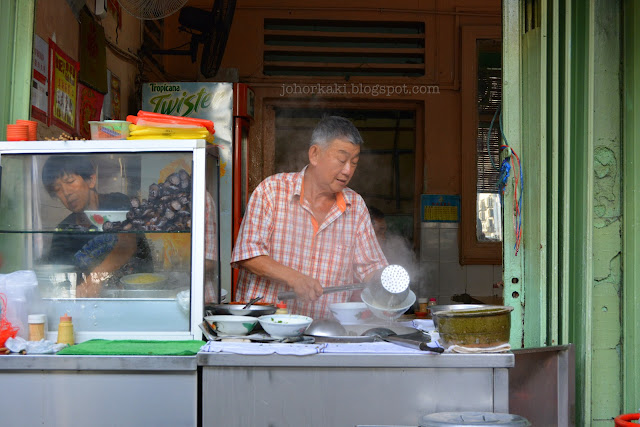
(306, 288)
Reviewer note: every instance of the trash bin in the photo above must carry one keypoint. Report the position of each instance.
(623, 420)
(477, 419)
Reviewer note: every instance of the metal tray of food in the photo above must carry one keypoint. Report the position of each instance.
(237, 309)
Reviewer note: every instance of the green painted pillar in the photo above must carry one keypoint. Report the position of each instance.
(631, 213)
(16, 45)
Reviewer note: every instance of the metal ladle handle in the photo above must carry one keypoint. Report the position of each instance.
(353, 287)
(251, 302)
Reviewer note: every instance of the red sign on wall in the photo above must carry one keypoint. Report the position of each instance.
(63, 86)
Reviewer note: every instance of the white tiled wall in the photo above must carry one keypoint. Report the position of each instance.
(442, 276)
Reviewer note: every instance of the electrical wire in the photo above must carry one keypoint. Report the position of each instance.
(508, 164)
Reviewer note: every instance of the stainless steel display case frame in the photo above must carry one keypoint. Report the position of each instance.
(200, 150)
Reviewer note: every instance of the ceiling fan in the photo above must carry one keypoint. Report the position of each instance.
(211, 29)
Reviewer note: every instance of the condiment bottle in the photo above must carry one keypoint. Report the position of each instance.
(422, 304)
(36, 326)
(282, 308)
(431, 303)
(65, 330)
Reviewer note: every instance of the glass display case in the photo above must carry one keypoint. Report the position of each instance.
(122, 235)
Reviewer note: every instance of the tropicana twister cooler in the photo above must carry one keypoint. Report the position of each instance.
(231, 107)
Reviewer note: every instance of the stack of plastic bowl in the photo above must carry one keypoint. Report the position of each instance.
(32, 126)
(22, 130)
(17, 132)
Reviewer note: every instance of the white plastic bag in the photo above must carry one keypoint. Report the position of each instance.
(23, 298)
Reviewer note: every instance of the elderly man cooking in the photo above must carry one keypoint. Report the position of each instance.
(307, 230)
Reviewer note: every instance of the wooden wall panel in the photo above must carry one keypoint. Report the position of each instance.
(440, 112)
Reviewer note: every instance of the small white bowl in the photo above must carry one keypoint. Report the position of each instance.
(227, 324)
(98, 218)
(284, 325)
(387, 313)
(350, 313)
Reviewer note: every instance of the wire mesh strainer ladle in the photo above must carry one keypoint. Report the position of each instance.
(393, 287)
(389, 290)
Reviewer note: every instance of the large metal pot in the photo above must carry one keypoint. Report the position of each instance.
(488, 326)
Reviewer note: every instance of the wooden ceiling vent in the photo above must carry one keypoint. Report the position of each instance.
(295, 47)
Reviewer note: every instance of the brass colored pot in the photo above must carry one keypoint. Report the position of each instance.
(488, 326)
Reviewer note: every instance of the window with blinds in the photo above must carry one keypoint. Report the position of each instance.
(294, 47)
(489, 98)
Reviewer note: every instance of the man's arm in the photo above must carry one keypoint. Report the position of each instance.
(307, 288)
(124, 249)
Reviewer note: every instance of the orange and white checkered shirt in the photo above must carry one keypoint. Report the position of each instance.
(210, 246)
(279, 223)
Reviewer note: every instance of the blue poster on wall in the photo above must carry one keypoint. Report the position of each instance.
(440, 208)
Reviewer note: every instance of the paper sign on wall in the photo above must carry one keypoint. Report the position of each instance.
(63, 86)
(40, 80)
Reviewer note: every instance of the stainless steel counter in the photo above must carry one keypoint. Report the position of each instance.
(349, 389)
(51, 390)
(13, 362)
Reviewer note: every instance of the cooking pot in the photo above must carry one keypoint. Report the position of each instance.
(446, 307)
(487, 326)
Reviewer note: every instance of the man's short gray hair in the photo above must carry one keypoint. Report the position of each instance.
(335, 127)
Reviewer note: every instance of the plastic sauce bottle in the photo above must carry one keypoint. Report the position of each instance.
(65, 330)
(431, 303)
(282, 308)
(36, 326)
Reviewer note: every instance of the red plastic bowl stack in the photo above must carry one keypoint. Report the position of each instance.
(17, 132)
(33, 128)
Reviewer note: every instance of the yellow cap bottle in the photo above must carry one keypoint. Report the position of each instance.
(282, 308)
(65, 330)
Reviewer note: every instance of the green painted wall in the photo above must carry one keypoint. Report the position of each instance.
(606, 396)
(570, 139)
(631, 212)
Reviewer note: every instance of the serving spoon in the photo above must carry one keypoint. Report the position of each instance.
(251, 302)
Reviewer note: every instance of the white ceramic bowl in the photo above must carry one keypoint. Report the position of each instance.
(227, 324)
(98, 218)
(350, 313)
(388, 313)
(284, 325)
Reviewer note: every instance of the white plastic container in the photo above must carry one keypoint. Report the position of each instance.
(37, 326)
(109, 129)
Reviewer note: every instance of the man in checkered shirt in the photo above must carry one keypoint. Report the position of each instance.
(306, 231)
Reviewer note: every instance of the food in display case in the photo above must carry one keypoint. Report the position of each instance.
(117, 223)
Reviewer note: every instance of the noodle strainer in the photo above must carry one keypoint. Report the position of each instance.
(393, 287)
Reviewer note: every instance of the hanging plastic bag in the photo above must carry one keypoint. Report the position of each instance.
(7, 330)
(23, 298)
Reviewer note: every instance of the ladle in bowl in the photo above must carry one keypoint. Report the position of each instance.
(251, 302)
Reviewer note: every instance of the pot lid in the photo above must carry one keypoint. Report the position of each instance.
(478, 419)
